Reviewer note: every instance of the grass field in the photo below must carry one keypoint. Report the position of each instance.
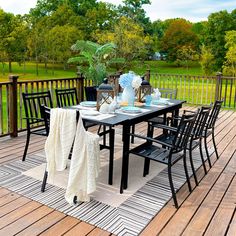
(194, 90)
(28, 72)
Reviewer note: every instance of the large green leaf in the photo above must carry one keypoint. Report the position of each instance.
(87, 46)
(77, 60)
(107, 48)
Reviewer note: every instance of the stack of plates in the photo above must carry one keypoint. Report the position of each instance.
(161, 101)
(131, 109)
(89, 103)
(89, 113)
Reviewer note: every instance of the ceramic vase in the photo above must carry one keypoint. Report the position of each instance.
(128, 95)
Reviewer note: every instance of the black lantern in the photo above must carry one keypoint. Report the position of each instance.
(105, 94)
(144, 89)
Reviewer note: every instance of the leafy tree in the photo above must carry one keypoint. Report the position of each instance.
(229, 67)
(99, 18)
(185, 55)
(13, 33)
(60, 38)
(63, 15)
(93, 59)
(198, 29)
(207, 60)
(178, 34)
(38, 42)
(218, 24)
(133, 9)
(130, 39)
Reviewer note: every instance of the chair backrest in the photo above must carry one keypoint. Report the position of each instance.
(184, 130)
(214, 114)
(168, 93)
(45, 113)
(66, 97)
(200, 122)
(32, 103)
(91, 93)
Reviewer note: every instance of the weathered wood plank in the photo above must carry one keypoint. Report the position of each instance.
(42, 224)
(61, 227)
(80, 230)
(24, 221)
(7, 220)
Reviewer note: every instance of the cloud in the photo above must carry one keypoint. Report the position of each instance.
(17, 7)
(192, 10)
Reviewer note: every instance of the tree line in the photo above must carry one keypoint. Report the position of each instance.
(47, 33)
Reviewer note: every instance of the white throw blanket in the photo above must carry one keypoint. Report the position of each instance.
(85, 160)
(60, 139)
(85, 164)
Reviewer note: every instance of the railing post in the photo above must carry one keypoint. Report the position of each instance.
(148, 72)
(80, 86)
(13, 105)
(218, 85)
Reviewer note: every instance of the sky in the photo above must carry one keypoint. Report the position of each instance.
(192, 10)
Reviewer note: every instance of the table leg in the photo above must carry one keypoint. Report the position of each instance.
(111, 161)
(125, 157)
(175, 121)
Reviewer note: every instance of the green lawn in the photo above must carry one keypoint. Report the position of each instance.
(195, 91)
(166, 68)
(28, 72)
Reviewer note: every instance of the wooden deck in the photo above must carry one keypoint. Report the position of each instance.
(209, 210)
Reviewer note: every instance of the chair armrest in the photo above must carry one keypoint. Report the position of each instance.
(166, 127)
(151, 139)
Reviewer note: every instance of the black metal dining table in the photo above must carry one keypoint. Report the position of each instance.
(127, 120)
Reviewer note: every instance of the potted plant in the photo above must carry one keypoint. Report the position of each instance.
(94, 58)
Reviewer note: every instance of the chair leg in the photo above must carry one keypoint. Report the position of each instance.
(192, 165)
(146, 167)
(201, 155)
(207, 153)
(111, 158)
(172, 186)
(45, 177)
(186, 172)
(26, 145)
(132, 132)
(214, 143)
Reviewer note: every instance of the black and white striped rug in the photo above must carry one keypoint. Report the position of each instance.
(129, 218)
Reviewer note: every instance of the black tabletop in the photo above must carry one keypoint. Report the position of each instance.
(152, 112)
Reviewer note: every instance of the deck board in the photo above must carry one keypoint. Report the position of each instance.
(209, 209)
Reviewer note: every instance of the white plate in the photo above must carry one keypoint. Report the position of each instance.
(160, 102)
(89, 103)
(131, 109)
(89, 113)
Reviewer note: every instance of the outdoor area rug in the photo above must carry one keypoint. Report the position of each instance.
(120, 214)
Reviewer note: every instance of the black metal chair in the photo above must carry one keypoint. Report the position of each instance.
(167, 152)
(210, 129)
(91, 93)
(165, 93)
(32, 102)
(66, 97)
(195, 136)
(45, 111)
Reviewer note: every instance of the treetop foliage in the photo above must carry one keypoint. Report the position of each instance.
(47, 33)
